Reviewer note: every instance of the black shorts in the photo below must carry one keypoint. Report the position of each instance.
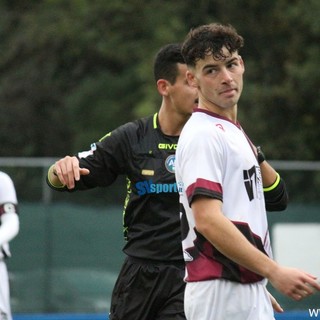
(147, 290)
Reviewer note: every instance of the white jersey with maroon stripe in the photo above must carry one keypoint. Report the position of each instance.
(9, 227)
(215, 158)
(8, 204)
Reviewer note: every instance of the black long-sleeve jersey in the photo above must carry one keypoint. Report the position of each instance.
(146, 156)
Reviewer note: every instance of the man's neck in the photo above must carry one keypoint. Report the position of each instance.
(229, 113)
(171, 123)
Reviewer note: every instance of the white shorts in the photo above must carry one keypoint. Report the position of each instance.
(224, 300)
(5, 310)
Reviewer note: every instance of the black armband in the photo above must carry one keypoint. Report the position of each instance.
(276, 196)
(8, 207)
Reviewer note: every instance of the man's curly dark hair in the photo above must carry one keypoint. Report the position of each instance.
(209, 40)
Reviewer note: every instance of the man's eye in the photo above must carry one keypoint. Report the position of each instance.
(233, 64)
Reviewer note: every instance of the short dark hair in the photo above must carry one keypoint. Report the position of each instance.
(209, 40)
(165, 63)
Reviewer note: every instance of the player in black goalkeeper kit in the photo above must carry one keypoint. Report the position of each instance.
(150, 285)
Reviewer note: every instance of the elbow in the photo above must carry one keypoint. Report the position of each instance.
(204, 228)
(277, 199)
(279, 204)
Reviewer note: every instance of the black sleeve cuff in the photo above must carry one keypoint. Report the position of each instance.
(277, 198)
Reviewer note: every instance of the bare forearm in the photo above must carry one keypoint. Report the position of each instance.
(224, 235)
(269, 175)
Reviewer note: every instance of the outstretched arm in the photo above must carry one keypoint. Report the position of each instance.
(224, 235)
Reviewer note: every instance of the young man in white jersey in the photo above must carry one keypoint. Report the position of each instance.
(225, 188)
(9, 228)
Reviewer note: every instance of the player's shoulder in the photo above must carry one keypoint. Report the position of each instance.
(198, 125)
(4, 178)
(140, 125)
(130, 130)
(212, 123)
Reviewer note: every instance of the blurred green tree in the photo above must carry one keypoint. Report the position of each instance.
(73, 70)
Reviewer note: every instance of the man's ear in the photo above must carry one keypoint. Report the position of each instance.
(162, 86)
(192, 81)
